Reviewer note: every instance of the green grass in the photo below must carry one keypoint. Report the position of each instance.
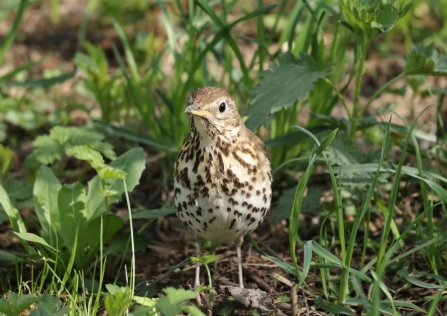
(278, 61)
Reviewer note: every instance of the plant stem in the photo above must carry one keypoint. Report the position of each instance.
(361, 46)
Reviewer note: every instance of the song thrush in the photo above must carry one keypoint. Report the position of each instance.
(222, 173)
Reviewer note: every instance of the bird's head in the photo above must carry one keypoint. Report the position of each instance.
(213, 111)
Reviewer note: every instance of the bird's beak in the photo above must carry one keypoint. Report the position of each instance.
(194, 110)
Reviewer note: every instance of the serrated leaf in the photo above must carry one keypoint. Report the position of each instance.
(50, 304)
(281, 86)
(107, 172)
(205, 259)
(371, 17)
(145, 301)
(169, 304)
(133, 163)
(423, 60)
(18, 303)
(46, 190)
(84, 152)
(49, 148)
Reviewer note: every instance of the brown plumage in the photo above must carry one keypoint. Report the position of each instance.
(222, 185)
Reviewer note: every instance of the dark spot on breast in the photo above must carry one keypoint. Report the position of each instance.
(248, 195)
(232, 223)
(184, 177)
(248, 216)
(250, 206)
(228, 209)
(244, 203)
(210, 210)
(199, 212)
(258, 192)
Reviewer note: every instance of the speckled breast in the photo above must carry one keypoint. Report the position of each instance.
(222, 192)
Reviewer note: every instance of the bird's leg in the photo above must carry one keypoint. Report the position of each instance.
(198, 245)
(238, 244)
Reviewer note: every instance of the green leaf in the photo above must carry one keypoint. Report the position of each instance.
(423, 60)
(49, 148)
(41, 82)
(145, 301)
(331, 307)
(49, 305)
(71, 201)
(133, 163)
(151, 214)
(205, 259)
(281, 86)
(12, 257)
(13, 214)
(46, 190)
(117, 302)
(33, 238)
(111, 224)
(84, 152)
(169, 304)
(121, 244)
(371, 17)
(282, 209)
(17, 303)
(5, 161)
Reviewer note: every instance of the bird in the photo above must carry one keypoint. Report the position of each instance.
(222, 174)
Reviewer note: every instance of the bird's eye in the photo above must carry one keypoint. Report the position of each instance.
(222, 107)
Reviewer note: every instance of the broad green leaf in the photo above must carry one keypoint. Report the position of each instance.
(13, 214)
(33, 238)
(111, 224)
(133, 163)
(46, 190)
(281, 86)
(121, 244)
(71, 201)
(423, 60)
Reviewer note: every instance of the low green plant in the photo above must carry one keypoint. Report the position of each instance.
(70, 217)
